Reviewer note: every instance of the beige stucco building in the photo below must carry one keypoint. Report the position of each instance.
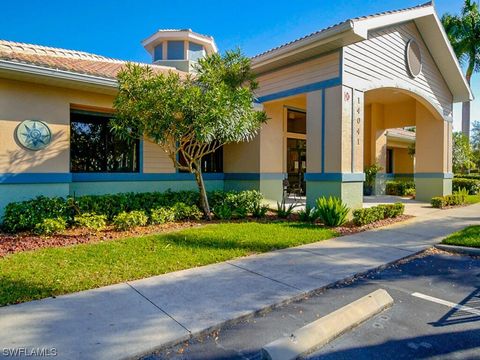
(337, 100)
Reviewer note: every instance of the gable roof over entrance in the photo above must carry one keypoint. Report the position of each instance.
(357, 29)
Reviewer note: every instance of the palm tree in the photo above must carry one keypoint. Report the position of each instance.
(464, 33)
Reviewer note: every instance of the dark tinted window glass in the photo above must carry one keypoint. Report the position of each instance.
(296, 122)
(93, 148)
(211, 163)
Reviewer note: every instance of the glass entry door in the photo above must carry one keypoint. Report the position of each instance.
(296, 164)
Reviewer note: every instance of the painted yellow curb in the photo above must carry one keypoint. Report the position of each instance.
(323, 330)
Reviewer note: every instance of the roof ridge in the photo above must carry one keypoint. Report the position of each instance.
(28, 48)
(359, 18)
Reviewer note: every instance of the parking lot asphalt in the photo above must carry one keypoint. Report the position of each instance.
(436, 315)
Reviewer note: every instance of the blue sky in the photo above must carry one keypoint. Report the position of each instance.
(115, 27)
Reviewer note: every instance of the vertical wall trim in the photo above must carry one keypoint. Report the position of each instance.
(323, 130)
(141, 155)
(352, 124)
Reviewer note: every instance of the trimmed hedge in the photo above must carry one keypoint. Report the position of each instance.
(25, 215)
(369, 215)
(471, 185)
(399, 188)
(456, 199)
(475, 176)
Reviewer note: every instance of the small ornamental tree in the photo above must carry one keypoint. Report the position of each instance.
(189, 116)
(462, 153)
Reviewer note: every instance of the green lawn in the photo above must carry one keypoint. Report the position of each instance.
(469, 236)
(54, 271)
(473, 199)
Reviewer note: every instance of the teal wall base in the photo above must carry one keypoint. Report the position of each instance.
(351, 193)
(240, 185)
(112, 187)
(426, 188)
(272, 190)
(21, 192)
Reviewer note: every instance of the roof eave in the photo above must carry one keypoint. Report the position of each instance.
(343, 31)
(22, 71)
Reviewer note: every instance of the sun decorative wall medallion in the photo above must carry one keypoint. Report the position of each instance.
(33, 134)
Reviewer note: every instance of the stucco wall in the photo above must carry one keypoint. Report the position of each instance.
(313, 71)
(402, 161)
(20, 101)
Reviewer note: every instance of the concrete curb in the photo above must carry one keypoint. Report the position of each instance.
(459, 249)
(323, 330)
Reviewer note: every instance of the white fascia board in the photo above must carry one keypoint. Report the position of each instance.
(363, 26)
(12, 66)
(298, 46)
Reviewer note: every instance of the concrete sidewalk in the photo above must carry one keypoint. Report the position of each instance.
(130, 319)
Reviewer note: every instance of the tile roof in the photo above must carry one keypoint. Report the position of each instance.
(401, 133)
(343, 22)
(67, 60)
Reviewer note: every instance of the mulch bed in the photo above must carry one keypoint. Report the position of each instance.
(15, 243)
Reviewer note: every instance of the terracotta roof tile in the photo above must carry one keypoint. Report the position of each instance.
(67, 60)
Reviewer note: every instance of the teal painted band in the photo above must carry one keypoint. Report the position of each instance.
(58, 178)
(254, 176)
(178, 176)
(35, 178)
(343, 177)
(433, 175)
(302, 89)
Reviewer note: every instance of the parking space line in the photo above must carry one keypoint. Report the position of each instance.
(447, 303)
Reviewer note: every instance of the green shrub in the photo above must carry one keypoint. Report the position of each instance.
(186, 212)
(438, 202)
(128, 220)
(392, 210)
(471, 185)
(113, 204)
(332, 211)
(162, 215)
(474, 176)
(259, 211)
(20, 216)
(366, 216)
(25, 215)
(50, 226)
(375, 213)
(308, 214)
(284, 211)
(410, 192)
(240, 212)
(91, 221)
(399, 188)
(223, 212)
(248, 200)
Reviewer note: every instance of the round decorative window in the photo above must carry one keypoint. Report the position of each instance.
(33, 134)
(414, 58)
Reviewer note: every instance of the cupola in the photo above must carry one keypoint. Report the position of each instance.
(180, 49)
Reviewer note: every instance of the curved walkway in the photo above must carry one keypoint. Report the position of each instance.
(135, 318)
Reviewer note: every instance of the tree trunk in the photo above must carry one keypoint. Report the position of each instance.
(203, 193)
(466, 119)
(466, 104)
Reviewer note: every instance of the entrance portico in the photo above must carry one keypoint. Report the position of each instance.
(355, 81)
